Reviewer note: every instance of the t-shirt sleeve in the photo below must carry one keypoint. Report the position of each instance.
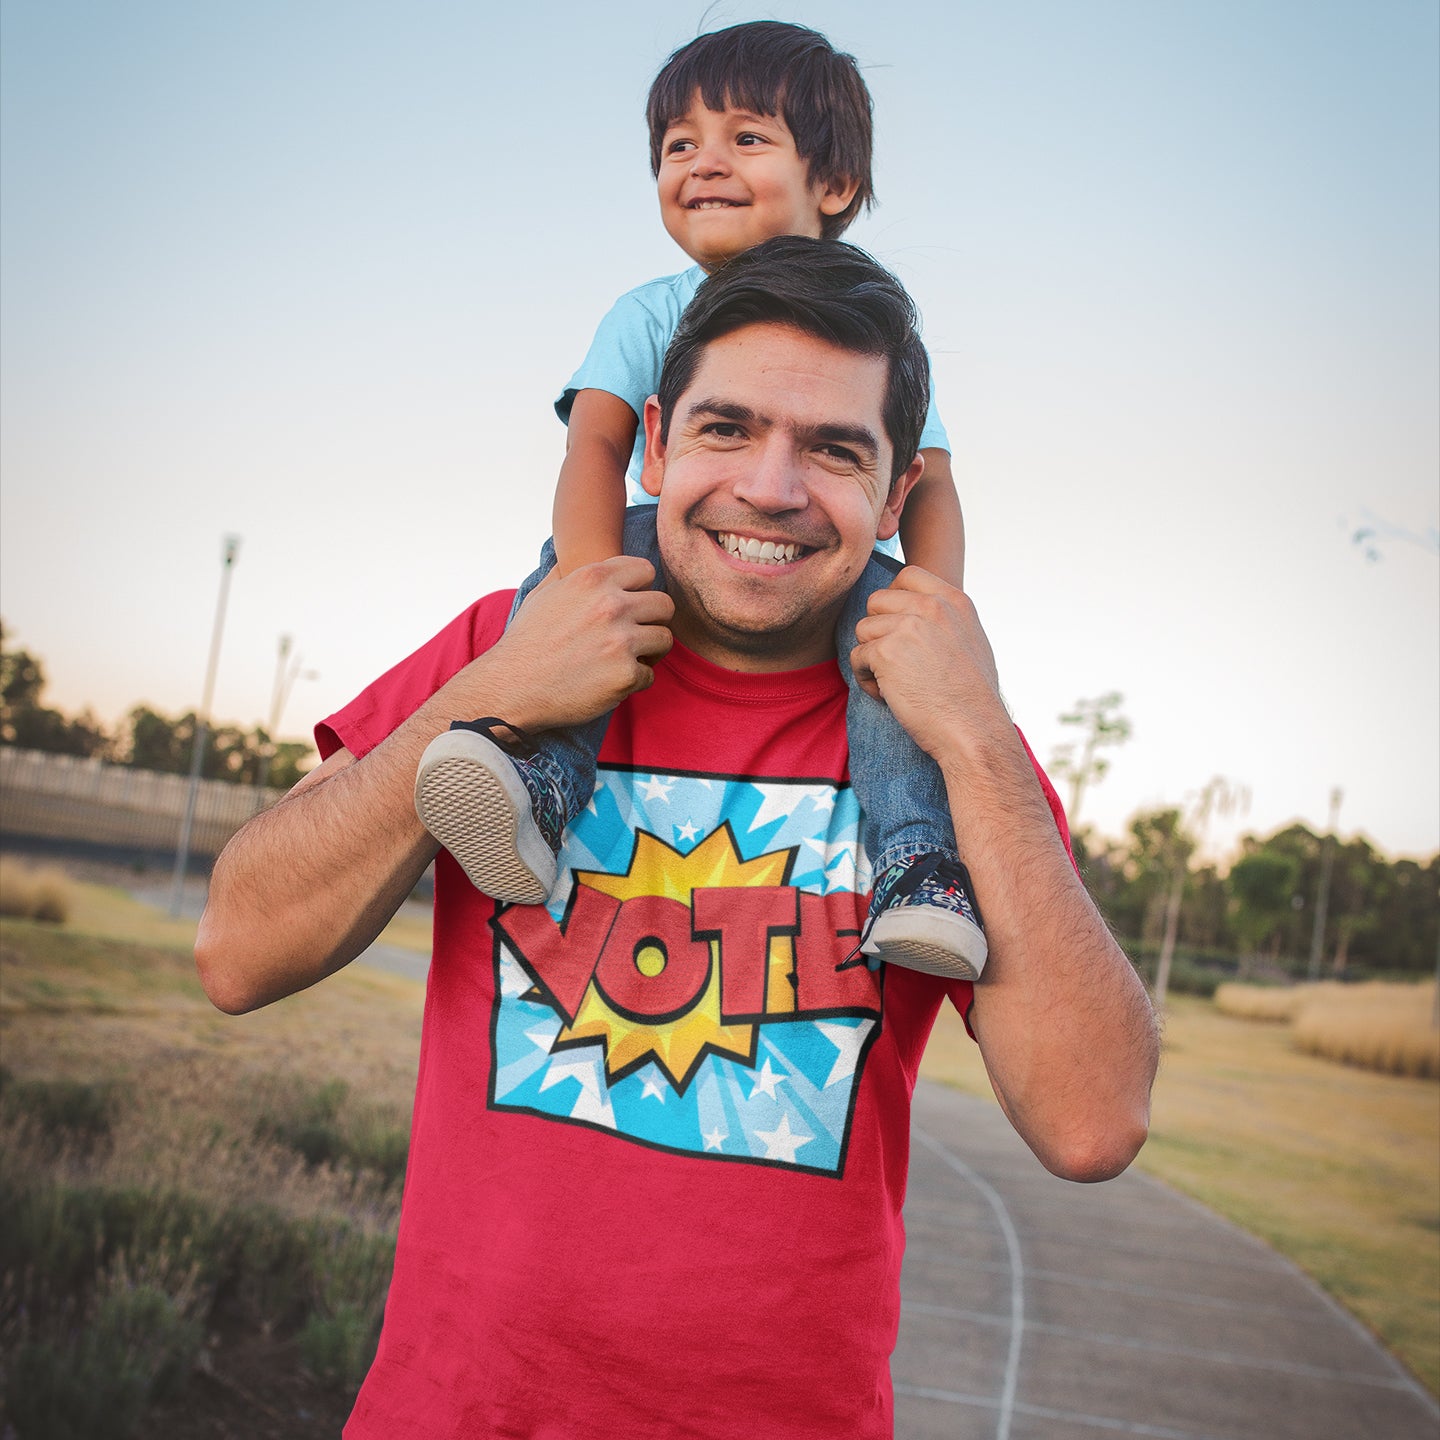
(392, 699)
(933, 436)
(624, 357)
(962, 992)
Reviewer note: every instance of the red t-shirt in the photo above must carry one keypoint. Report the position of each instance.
(660, 1141)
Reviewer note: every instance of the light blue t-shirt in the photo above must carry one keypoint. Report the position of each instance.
(629, 347)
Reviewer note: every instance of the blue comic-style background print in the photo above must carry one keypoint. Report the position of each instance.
(792, 1107)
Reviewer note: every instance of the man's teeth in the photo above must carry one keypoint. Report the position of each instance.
(767, 552)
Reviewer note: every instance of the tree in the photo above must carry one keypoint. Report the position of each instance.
(26, 723)
(1218, 795)
(1262, 884)
(1103, 725)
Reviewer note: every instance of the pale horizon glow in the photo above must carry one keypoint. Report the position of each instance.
(314, 275)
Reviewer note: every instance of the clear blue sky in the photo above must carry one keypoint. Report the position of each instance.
(314, 273)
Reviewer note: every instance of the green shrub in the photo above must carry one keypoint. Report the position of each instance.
(310, 1122)
(350, 1276)
(62, 1109)
(137, 1341)
(1192, 972)
(338, 1348)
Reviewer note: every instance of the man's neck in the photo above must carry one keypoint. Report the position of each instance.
(746, 653)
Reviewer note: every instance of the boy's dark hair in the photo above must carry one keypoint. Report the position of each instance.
(823, 288)
(772, 68)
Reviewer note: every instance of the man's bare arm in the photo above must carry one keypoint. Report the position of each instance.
(1065, 1027)
(306, 886)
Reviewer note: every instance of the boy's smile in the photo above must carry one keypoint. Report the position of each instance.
(730, 179)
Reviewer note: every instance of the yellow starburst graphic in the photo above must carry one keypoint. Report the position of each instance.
(678, 1045)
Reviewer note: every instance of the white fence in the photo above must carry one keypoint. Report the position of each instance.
(64, 798)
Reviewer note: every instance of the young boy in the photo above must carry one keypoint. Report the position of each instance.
(758, 131)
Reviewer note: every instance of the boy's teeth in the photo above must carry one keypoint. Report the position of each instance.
(765, 552)
(711, 205)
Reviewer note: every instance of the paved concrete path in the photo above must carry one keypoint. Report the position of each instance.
(1034, 1309)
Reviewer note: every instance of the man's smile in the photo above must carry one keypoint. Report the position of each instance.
(765, 552)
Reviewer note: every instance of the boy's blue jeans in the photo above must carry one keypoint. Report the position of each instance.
(901, 792)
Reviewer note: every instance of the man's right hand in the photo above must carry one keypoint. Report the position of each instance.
(580, 644)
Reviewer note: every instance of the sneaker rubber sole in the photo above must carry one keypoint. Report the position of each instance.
(470, 798)
(930, 939)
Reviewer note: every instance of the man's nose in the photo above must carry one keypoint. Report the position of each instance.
(772, 481)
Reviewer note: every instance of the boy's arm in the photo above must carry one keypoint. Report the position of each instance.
(305, 886)
(589, 515)
(1065, 1027)
(932, 529)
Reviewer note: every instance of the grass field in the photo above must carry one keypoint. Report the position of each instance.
(190, 1202)
(1337, 1168)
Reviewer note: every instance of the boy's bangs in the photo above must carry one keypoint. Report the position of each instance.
(733, 86)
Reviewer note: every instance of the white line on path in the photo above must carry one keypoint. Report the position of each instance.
(1043, 1412)
(1017, 1273)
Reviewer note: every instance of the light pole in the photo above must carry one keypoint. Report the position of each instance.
(285, 678)
(202, 725)
(1322, 902)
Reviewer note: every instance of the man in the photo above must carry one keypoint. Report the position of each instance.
(661, 1129)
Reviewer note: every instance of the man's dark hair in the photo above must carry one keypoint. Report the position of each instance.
(771, 68)
(823, 288)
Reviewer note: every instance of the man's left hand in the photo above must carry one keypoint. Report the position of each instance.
(922, 650)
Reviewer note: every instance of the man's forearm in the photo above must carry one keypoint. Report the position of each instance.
(1066, 1029)
(306, 886)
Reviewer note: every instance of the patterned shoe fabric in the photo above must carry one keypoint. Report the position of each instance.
(495, 812)
(924, 916)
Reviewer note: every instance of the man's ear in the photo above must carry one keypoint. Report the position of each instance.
(889, 521)
(835, 195)
(654, 469)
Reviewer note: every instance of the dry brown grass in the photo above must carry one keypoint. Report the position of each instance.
(1378, 1026)
(1260, 1002)
(34, 894)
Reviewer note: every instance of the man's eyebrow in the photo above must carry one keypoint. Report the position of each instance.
(830, 432)
(860, 436)
(722, 410)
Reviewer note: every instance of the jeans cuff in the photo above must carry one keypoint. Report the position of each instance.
(559, 776)
(900, 854)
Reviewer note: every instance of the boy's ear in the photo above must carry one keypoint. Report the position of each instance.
(889, 522)
(654, 469)
(835, 195)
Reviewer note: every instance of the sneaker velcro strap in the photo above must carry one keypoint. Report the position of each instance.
(519, 742)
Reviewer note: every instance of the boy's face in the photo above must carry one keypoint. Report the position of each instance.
(729, 179)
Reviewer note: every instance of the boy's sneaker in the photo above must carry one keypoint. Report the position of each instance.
(923, 915)
(494, 812)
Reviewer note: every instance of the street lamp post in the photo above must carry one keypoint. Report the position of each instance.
(202, 725)
(286, 674)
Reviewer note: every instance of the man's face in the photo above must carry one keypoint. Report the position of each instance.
(773, 486)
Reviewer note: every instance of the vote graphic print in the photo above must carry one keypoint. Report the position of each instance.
(685, 989)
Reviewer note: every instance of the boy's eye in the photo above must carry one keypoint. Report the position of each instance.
(678, 147)
(750, 138)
